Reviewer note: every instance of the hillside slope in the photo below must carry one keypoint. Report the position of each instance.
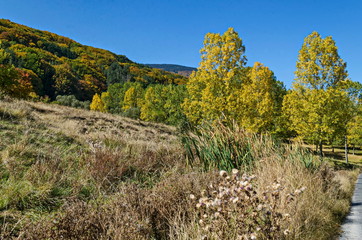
(67, 173)
(56, 65)
(52, 155)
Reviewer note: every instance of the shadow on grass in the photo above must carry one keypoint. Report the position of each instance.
(338, 165)
(334, 155)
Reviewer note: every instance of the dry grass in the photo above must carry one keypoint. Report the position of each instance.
(323, 205)
(73, 174)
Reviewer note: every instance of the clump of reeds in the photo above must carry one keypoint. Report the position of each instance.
(225, 146)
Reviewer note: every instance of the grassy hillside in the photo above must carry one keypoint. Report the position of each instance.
(182, 70)
(56, 65)
(67, 173)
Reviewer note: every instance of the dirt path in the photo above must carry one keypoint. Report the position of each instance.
(352, 227)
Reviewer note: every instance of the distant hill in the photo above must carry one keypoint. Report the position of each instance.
(57, 65)
(182, 70)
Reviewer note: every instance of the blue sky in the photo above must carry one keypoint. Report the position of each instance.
(160, 31)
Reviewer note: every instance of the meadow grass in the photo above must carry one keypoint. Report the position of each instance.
(74, 174)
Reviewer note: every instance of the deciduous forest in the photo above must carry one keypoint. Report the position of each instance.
(96, 146)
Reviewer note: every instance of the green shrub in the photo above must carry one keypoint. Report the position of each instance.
(133, 112)
(71, 101)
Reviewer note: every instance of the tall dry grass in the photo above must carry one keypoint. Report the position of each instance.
(84, 175)
(316, 214)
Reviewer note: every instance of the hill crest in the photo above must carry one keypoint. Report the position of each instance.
(174, 68)
(57, 65)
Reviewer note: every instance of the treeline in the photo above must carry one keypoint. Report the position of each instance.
(44, 64)
(157, 103)
(323, 107)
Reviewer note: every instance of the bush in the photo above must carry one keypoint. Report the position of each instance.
(117, 218)
(133, 112)
(71, 101)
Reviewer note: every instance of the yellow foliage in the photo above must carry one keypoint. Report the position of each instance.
(261, 97)
(97, 103)
(318, 107)
(317, 114)
(132, 98)
(105, 98)
(217, 79)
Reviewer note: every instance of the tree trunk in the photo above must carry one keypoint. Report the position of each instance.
(321, 149)
(346, 148)
(332, 149)
(353, 149)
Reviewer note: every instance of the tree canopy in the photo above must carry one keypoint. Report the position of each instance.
(318, 106)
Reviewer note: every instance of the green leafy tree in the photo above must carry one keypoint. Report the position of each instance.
(115, 97)
(153, 105)
(162, 103)
(354, 129)
(8, 78)
(175, 96)
(117, 73)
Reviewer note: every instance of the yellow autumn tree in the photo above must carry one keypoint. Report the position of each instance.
(261, 98)
(212, 90)
(97, 103)
(318, 107)
(133, 97)
(153, 106)
(105, 98)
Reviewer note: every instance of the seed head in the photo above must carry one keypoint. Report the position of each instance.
(223, 173)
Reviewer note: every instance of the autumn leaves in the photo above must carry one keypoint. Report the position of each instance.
(319, 108)
(224, 86)
(322, 107)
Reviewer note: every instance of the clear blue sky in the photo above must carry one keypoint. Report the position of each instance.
(160, 31)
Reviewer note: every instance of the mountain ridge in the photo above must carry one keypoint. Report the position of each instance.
(174, 68)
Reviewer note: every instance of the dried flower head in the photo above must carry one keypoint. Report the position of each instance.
(223, 173)
(235, 199)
